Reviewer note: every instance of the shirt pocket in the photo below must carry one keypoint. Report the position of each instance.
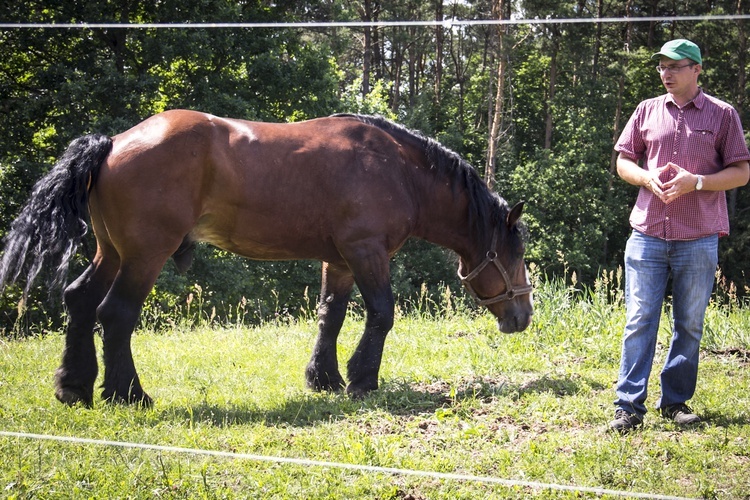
(702, 136)
(702, 150)
(703, 133)
(702, 128)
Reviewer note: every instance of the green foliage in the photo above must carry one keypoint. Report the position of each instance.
(374, 103)
(568, 217)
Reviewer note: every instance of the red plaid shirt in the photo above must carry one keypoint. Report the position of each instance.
(703, 137)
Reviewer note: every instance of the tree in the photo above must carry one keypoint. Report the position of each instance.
(503, 10)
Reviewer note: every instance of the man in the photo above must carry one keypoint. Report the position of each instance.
(692, 149)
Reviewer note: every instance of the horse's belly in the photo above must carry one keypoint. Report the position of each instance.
(273, 242)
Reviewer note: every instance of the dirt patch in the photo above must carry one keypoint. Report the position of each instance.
(743, 355)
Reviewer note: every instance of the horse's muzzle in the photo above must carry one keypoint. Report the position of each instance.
(514, 323)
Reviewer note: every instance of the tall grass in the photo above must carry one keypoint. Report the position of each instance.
(456, 396)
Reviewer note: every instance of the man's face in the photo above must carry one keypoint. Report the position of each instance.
(679, 77)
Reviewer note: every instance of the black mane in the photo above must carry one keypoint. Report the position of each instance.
(485, 206)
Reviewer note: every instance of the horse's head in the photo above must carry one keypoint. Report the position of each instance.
(498, 279)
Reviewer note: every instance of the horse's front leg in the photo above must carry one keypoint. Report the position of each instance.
(74, 379)
(372, 275)
(119, 314)
(322, 372)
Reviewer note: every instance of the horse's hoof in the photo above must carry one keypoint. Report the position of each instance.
(140, 399)
(71, 397)
(70, 390)
(356, 393)
(330, 386)
(325, 383)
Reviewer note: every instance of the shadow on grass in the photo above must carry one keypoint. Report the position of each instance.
(716, 419)
(399, 398)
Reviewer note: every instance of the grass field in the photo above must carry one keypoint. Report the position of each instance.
(457, 398)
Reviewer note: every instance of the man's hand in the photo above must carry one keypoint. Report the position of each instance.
(670, 182)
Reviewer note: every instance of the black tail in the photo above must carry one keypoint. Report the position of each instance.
(52, 225)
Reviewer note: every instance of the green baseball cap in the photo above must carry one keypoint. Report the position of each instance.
(680, 49)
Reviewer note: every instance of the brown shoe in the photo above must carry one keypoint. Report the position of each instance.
(680, 414)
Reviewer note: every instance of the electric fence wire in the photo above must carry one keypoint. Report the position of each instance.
(511, 483)
(447, 23)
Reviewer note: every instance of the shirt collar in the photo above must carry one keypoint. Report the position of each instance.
(697, 101)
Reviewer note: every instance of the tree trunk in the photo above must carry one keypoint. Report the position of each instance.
(439, 52)
(459, 69)
(366, 14)
(597, 39)
(412, 64)
(739, 90)
(497, 114)
(618, 116)
(620, 95)
(651, 25)
(397, 62)
(548, 122)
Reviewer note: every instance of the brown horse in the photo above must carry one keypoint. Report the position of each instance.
(346, 190)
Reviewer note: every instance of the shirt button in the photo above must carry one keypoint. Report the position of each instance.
(666, 218)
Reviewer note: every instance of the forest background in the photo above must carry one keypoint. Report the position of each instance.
(534, 106)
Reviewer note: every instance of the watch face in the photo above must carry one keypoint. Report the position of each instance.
(699, 184)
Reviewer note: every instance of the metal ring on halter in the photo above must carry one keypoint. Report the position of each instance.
(491, 258)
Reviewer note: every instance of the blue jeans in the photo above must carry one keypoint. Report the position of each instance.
(649, 262)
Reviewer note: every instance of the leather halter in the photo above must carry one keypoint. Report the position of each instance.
(491, 258)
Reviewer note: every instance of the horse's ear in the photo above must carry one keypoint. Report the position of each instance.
(515, 214)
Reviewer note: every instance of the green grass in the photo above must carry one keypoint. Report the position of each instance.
(456, 397)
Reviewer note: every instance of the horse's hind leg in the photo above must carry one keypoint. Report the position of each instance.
(322, 371)
(118, 314)
(75, 378)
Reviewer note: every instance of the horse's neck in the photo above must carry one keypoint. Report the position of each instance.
(444, 220)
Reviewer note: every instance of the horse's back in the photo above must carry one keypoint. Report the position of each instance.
(264, 190)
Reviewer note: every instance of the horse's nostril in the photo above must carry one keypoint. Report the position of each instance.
(514, 323)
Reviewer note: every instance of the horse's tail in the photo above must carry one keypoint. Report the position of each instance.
(51, 226)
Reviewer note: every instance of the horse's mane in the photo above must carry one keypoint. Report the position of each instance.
(484, 205)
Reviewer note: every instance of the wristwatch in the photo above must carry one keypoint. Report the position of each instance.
(699, 184)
